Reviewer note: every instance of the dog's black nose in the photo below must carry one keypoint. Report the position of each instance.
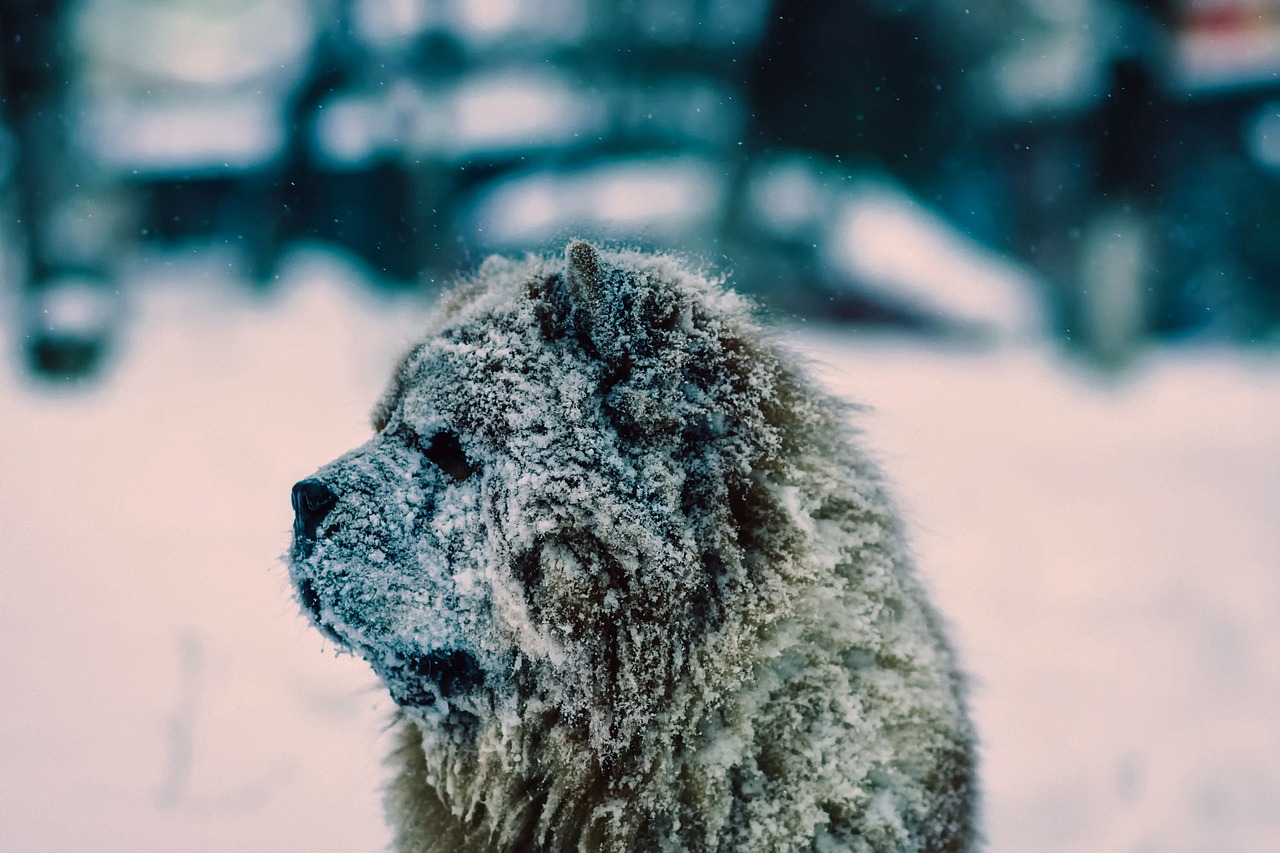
(312, 501)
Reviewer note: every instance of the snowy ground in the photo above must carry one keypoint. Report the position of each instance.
(1108, 555)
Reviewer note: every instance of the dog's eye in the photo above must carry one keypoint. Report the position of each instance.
(443, 450)
(446, 452)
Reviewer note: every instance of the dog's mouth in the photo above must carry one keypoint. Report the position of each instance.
(311, 603)
(415, 679)
(421, 680)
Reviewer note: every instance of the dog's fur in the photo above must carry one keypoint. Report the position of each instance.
(633, 584)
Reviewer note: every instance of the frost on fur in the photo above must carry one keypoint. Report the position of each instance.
(632, 583)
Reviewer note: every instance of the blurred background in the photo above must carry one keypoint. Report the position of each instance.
(1106, 171)
(1041, 238)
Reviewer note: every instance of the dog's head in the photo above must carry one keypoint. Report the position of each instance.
(573, 478)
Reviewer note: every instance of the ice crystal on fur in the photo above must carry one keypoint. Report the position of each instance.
(632, 583)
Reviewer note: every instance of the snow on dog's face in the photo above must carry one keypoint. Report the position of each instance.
(552, 509)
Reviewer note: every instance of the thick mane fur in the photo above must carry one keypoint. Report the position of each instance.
(684, 584)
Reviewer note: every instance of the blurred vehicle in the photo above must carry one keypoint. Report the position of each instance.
(62, 223)
(435, 132)
(418, 136)
(185, 105)
(428, 119)
(868, 161)
(1137, 146)
(137, 121)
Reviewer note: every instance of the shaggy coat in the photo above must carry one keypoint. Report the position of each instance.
(633, 584)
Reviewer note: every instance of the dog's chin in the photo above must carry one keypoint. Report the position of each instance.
(415, 679)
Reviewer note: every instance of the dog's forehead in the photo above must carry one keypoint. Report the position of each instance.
(493, 366)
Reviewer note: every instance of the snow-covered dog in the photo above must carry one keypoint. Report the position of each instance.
(632, 583)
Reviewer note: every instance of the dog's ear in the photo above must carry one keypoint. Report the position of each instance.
(625, 313)
(628, 317)
(582, 272)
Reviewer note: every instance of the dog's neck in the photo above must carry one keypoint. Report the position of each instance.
(425, 824)
(425, 820)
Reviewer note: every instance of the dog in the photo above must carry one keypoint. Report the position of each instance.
(632, 583)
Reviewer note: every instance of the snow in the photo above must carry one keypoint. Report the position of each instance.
(497, 114)
(889, 242)
(199, 44)
(878, 237)
(164, 134)
(1106, 555)
(183, 86)
(1263, 136)
(666, 198)
(76, 305)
